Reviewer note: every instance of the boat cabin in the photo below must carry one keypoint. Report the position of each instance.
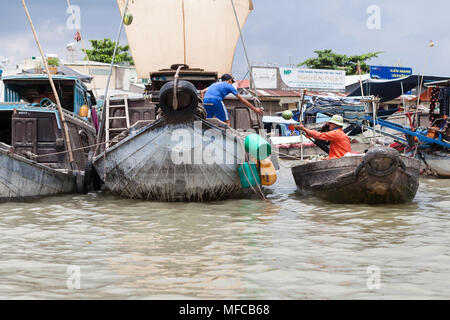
(31, 126)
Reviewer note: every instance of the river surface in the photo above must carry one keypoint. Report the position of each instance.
(100, 246)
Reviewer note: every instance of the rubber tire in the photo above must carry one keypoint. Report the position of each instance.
(390, 153)
(166, 94)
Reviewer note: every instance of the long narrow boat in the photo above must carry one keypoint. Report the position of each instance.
(33, 162)
(381, 176)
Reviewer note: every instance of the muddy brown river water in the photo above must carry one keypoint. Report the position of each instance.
(100, 246)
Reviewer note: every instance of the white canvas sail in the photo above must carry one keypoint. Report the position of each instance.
(199, 33)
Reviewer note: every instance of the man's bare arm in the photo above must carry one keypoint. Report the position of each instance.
(202, 93)
(249, 105)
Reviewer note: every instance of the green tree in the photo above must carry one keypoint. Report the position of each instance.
(103, 50)
(53, 62)
(327, 59)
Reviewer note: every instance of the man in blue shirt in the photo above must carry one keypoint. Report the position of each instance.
(214, 95)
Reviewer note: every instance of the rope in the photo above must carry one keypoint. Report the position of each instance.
(252, 81)
(78, 149)
(261, 193)
(240, 139)
(175, 87)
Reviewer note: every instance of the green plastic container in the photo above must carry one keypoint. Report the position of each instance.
(248, 168)
(257, 147)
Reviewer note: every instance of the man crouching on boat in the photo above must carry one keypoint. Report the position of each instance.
(339, 141)
(213, 99)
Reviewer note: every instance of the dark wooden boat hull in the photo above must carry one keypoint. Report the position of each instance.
(22, 179)
(381, 176)
(141, 165)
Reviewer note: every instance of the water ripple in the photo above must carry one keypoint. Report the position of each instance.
(289, 247)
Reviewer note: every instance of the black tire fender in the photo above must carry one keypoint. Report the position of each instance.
(379, 152)
(187, 99)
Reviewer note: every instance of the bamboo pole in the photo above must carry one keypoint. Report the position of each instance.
(58, 102)
(300, 119)
(430, 45)
(360, 79)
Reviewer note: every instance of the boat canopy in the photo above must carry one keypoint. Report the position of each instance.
(442, 83)
(30, 88)
(388, 90)
(198, 33)
(65, 71)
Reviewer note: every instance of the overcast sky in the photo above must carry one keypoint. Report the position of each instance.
(274, 31)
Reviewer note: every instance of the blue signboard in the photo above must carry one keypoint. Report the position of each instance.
(389, 73)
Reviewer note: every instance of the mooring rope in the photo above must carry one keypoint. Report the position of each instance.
(63, 152)
(175, 87)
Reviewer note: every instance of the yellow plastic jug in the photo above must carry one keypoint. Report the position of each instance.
(268, 172)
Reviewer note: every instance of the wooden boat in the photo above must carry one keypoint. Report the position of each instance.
(438, 162)
(144, 138)
(33, 156)
(178, 157)
(142, 165)
(381, 176)
(21, 178)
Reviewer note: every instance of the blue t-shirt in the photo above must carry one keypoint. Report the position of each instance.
(220, 90)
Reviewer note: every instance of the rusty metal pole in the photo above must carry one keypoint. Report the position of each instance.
(58, 102)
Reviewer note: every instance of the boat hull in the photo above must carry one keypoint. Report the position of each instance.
(155, 164)
(350, 180)
(22, 179)
(439, 163)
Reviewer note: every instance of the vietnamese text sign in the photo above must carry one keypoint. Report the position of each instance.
(389, 73)
(265, 78)
(333, 80)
